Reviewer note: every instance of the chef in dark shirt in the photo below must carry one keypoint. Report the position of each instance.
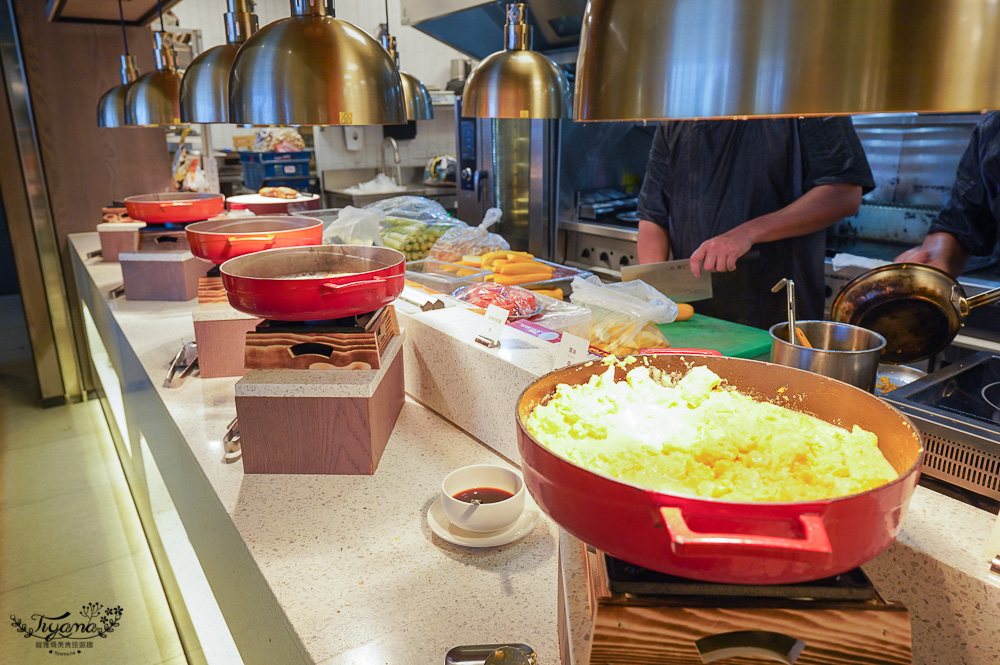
(761, 189)
(967, 225)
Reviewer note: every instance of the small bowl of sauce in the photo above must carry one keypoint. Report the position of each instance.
(483, 497)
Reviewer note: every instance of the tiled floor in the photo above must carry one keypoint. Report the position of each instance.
(69, 532)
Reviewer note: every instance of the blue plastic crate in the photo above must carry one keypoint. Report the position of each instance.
(250, 157)
(261, 166)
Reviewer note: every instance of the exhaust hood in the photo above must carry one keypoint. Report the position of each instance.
(476, 28)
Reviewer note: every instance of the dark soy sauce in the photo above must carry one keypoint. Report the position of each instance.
(484, 495)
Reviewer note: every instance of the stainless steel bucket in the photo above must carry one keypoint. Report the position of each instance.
(840, 351)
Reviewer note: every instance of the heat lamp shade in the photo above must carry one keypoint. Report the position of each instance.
(314, 70)
(418, 101)
(111, 108)
(516, 83)
(154, 99)
(663, 59)
(205, 86)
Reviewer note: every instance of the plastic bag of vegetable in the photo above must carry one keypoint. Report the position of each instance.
(412, 207)
(354, 226)
(413, 237)
(469, 241)
(625, 315)
(412, 224)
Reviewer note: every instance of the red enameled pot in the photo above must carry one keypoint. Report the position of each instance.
(737, 542)
(349, 280)
(219, 240)
(174, 207)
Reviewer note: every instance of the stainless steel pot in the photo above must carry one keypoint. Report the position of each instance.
(840, 351)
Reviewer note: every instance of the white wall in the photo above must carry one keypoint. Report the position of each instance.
(424, 57)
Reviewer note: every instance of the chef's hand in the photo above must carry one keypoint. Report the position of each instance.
(940, 250)
(719, 254)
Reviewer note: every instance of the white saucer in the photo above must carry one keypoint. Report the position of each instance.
(440, 525)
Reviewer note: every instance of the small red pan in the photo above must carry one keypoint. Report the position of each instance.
(219, 240)
(174, 207)
(314, 283)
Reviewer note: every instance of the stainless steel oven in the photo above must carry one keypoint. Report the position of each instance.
(511, 164)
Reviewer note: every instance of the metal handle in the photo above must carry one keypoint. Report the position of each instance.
(337, 289)
(477, 183)
(687, 542)
(266, 238)
(95, 254)
(984, 298)
(116, 292)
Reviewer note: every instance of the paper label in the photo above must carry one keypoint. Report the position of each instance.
(571, 350)
(496, 318)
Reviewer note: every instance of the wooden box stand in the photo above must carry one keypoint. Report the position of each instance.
(627, 629)
(166, 275)
(280, 345)
(118, 238)
(220, 332)
(319, 421)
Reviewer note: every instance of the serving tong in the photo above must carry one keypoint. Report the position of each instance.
(183, 363)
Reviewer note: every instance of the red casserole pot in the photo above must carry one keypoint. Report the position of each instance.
(219, 240)
(174, 207)
(736, 542)
(265, 284)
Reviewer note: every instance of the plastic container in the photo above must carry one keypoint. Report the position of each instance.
(259, 167)
(562, 278)
(442, 276)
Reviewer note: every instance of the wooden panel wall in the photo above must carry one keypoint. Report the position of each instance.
(68, 67)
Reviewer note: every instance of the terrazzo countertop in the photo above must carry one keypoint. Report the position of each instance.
(349, 561)
(351, 564)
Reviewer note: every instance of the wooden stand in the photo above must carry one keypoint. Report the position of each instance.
(275, 345)
(118, 238)
(211, 291)
(302, 421)
(632, 629)
(220, 333)
(161, 275)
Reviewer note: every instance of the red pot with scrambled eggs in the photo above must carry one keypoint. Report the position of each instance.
(719, 539)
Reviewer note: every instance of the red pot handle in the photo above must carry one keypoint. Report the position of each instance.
(337, 289)
(267, 238)
(678, 352)
(686, 542)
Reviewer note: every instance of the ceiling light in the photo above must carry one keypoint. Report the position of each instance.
(660, 59)
(314, 69)
(516, 82)
(154, 98)
(418, 101)
(111, 106)
(205, 86)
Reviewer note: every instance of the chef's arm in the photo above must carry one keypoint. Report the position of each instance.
(815, 210)
(941, 250)
(654, 245)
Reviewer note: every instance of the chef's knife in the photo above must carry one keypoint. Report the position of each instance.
(673, 279)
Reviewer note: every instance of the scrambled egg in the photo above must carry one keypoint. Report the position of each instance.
(696, 435)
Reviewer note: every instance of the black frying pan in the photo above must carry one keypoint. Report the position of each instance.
(917, 308)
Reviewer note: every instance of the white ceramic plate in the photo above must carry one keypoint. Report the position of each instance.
(440, 525)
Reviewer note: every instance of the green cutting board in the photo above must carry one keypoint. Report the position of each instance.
(729, 339)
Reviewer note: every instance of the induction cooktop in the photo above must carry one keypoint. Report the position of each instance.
(957, 409)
